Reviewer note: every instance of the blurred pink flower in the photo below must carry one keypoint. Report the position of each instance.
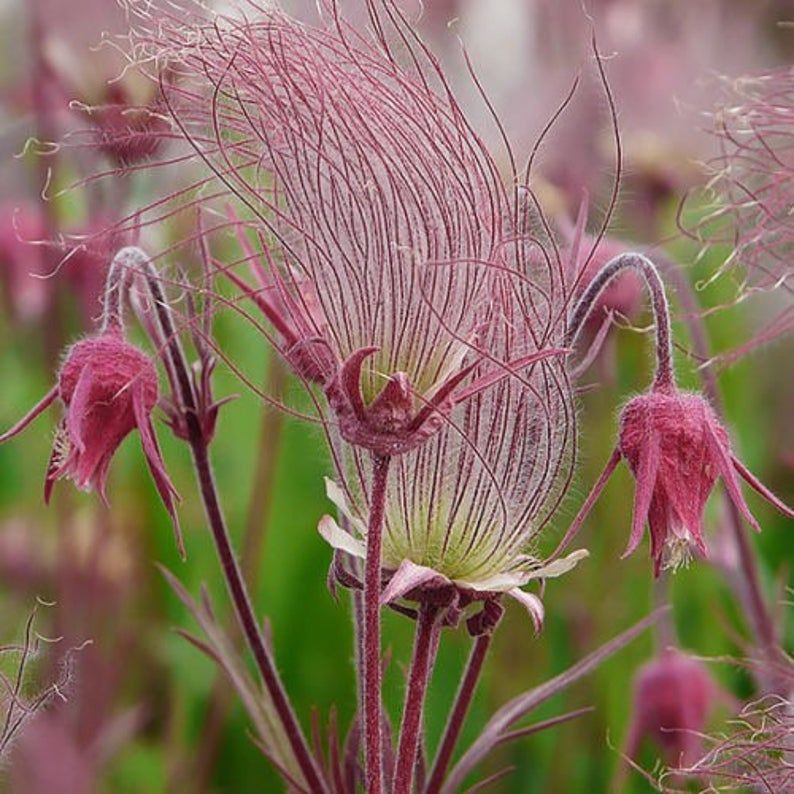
(48, 758)
(26, 292)
(126, 131)
(673, 695)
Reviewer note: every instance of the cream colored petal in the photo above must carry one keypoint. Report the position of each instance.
(337, 496)
(559, 567)
(336, 537)
(499, 583)
(532, 604)
(408, 577)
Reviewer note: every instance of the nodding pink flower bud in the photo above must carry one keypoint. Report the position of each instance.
(108, 388)
(676, 448)
(673, 694)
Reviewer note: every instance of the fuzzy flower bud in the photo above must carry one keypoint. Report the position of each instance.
(108, 388)
(672, 697)
(676, 449)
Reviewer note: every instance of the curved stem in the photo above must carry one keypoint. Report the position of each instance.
(220, 700)
(664, 345)
(459, 711)
(411, 729)
(209, 494)
(373, 755)
(763, 623)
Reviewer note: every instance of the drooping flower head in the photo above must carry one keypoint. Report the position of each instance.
(381, 218)
(84, 56)
(676, 448)
(673, 442)
(108, 388)
(673, 695)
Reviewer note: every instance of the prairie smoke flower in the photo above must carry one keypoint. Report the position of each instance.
(463, 511)
(126, 130)
(108, 388)
(673, 441)
(673, 694)
(753, 180)
(382, 217)
(676, 448)
(756, 175)
(753, 751)
(84, 60)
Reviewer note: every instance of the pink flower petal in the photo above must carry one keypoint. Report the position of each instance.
(408, 577)
(79, 407)
(151, 450)
(646, 482)
(725, 465)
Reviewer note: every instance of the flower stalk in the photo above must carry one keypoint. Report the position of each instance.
(457, 716)
(664, 378)
(411, 730)
(372, 669)
(231, 569)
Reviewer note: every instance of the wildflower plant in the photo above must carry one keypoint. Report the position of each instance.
(427, 307)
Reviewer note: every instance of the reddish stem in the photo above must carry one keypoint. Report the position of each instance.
(459, 711)
(231, 568)
(411, 729)
(372, 671)
(220, 700)
(664, 342)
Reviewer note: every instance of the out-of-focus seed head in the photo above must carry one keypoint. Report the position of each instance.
(673, 695)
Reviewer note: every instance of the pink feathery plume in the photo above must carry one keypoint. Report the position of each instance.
(754, 181)
(380, 223)
(673, 694)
